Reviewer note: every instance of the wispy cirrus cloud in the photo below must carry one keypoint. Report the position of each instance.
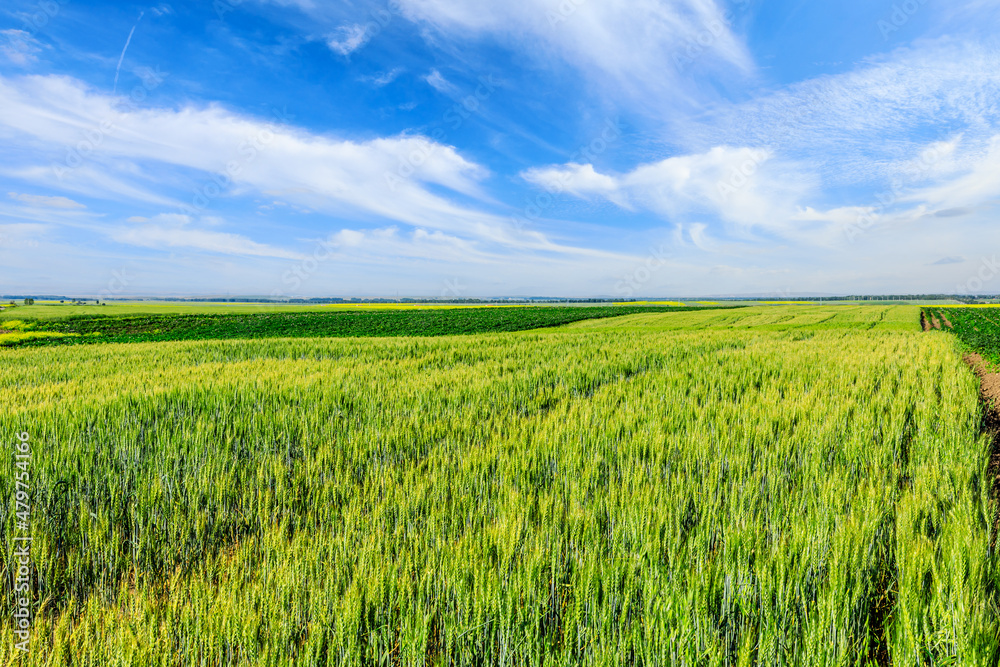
(402, 178)
(437, 81)
(747, 159)
(347, 39)
(176, 231)
(634, 47)
(384, 78)
(867, 125)
(19, 47)
(57, 112)
(967, 184)
(639, 49)
(45, 201)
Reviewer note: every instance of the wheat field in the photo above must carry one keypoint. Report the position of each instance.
(787, 485)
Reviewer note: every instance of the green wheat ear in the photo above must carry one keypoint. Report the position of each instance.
(774, 485)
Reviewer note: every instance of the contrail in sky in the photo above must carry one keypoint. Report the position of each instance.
(127, 42)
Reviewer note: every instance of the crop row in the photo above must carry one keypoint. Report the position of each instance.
(978, 328)
(601, 495)
(339, 323)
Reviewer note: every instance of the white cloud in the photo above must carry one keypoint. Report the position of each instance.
(977, 183)
(174, 231)
(387, 245)
(45, 202)
(577, 179)
(403, 178)
(385, 78)
(19, 47)
(21, 235)
(347, 39)
(742, 186)
(383, 176)
(867, 125)
(939, 159)
(975, 16)
(436, 81)
(103, 180)
(641, 47)
(646, 50)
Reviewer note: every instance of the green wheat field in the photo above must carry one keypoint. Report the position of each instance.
(780, 485)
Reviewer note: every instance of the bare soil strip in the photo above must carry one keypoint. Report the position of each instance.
(924, 324)
(989, 396)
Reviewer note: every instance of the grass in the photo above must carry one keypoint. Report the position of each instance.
(757, 486)
(378, 322)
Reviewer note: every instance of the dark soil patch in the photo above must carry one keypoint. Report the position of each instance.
(924, 324)
(989, 385)
(882, 600)
(989, 395)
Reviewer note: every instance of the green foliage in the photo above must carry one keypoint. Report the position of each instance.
(333, 323)
(762, 486)
(977, 327)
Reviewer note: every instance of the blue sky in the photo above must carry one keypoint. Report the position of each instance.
(539, 147)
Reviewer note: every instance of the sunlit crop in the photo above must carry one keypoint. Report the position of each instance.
(779, 486)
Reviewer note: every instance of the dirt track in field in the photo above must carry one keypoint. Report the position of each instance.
(989, 395)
